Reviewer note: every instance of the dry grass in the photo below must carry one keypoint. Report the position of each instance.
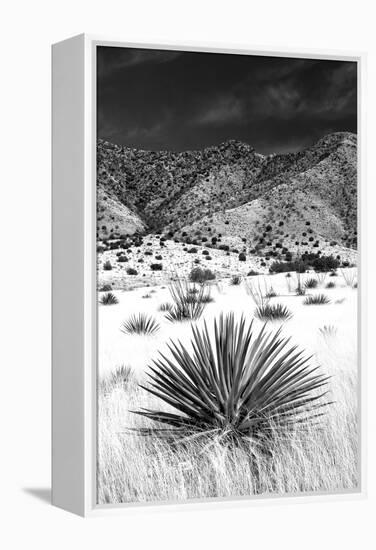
(134, 468)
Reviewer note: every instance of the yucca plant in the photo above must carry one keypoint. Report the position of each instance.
(311, 283)
(233, 384)
(273, 312)
(235, 280)
(321, 277)
(254, 290)
(271, 293)
(140, 324)
(108, 299)
(165, 306)
(207, 299)
(328, 331)
(119, 378)
(187, 305)
(349, 276)
(330, 285)
(316, 300)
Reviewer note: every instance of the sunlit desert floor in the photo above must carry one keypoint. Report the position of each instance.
(134, 468)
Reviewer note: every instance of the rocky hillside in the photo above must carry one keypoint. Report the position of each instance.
(232, 196)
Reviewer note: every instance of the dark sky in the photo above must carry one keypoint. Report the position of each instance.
(159, 99)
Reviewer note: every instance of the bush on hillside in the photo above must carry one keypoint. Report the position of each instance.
(156, 267)
(199, 275)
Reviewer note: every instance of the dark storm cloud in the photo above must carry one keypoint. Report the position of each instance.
(154, 99)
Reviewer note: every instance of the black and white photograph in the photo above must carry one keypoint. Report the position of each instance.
(226, 276)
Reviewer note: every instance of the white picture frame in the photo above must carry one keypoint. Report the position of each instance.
(74, 275)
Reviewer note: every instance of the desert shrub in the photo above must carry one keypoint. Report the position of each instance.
(224, 247)
(199, 275)
(311, 283)
(208, 257)
(252, 273)
(205, 252)
(273, 312)
(316, 300)
(261, 372)
(158, 257)
(148, 253)
(156, 267)
(192, 250)
(122, 259)
(187, 305)
(331, 284)
(132, 271)
(325, 263)
(108, 299)
(242, 257)
(235, 280)
(140, 324)
(101, 248)
(105, 288)
(283, 267)
(107, 266)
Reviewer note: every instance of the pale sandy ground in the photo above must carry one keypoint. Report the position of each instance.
(116, 348)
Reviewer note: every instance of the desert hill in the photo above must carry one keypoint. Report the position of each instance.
(232, 196)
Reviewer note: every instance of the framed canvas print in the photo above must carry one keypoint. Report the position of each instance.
(207, 275)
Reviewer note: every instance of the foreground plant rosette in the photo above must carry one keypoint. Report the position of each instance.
(236, 383)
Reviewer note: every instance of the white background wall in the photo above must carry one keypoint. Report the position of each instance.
(27, 30)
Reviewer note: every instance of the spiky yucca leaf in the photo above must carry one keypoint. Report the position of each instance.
(140, 324)
(237, 383)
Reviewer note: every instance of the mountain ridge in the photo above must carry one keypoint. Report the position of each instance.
(181, 194)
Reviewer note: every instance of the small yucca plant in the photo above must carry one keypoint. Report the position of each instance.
(108, 299)
(273, 312)
(234, 384)
(330, 285)
(311, 283)
(165, 306)
(235, 280)
(140, 324)
(321, 277)
(349, 276)
(207, 299)
(317, 300)
(328, 331)
(119, 378)
(188, 304)
(271, 293)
